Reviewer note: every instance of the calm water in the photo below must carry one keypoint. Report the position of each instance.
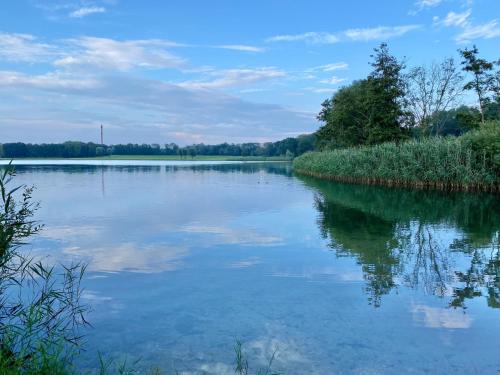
(339, 279)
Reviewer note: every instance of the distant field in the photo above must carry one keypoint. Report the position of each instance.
(200, 157)
(175, 157)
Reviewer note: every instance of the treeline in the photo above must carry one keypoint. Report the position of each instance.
(288, 147)
(394, 103)
(389, 128)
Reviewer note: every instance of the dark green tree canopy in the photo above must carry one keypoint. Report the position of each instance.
(369, 111)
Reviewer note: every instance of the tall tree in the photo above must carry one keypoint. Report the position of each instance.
(369, 111)
(387, 98)
(483, 79)
(431, 90)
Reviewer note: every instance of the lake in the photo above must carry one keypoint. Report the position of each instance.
(183, 260)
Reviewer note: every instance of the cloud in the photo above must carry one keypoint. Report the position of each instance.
(309, 37)
(333, 80)
(378, 33)
(102, 53)
(359, 34)
(485, 31)
(53, 80)
(331, 67)
(241, 47)
(89, 80)
(427, 3)
(235, 77)
(469, 31)
(125, 55)
(23, 48)
(454, 19)
(138, 109)
(321, 90)
(420, 5)
(85, 11)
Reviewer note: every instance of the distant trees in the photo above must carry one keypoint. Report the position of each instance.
(285, 147)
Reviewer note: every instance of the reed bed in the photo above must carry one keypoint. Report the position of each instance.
(442, 163)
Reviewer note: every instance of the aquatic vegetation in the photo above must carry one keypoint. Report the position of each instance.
(470, 162)
(40, 309)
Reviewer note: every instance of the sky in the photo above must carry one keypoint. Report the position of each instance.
(208, 71)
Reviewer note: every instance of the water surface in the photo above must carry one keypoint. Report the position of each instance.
(338, 279)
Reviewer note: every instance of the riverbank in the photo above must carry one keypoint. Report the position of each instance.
(469, 163)
(172, 158)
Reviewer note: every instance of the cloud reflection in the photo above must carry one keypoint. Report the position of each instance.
(131, 257)
(435, 317)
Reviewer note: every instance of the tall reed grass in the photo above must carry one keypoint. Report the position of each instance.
(470, 162)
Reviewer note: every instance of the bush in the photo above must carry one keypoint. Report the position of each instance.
(485, 140)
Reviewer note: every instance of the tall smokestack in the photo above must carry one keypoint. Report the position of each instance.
(102, 136)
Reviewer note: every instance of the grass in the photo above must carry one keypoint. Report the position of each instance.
(470, 162)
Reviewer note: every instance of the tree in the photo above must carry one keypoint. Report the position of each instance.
(431, 90)
(387, 98)
(369, 111)
(346, 117)
(483, 80)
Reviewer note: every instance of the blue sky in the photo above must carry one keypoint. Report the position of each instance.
(208, 71)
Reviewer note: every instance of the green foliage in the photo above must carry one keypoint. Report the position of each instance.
(483, 81)
(297, 146)
(448, 163)
(40, 310)
(485, 141)
(370, 111)
(345, 117)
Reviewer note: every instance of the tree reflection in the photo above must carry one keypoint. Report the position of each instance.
(445, 244)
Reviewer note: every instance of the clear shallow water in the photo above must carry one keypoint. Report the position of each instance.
(339, 279)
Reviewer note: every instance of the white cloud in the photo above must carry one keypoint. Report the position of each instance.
(46, 81)
(333, 80)
(485, 31)
(359, 34)
(424, 4)
(85, 11)
(455, 19)
(121, 55)
(23, 48)
(235, 77)
(469, 32)
(331, 67)
(140, 109)
(241, 47)
(309, 37)
(321, 90)
(378, 33)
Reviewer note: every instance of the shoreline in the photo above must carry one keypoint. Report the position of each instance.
(164, 157)
(416, 185)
